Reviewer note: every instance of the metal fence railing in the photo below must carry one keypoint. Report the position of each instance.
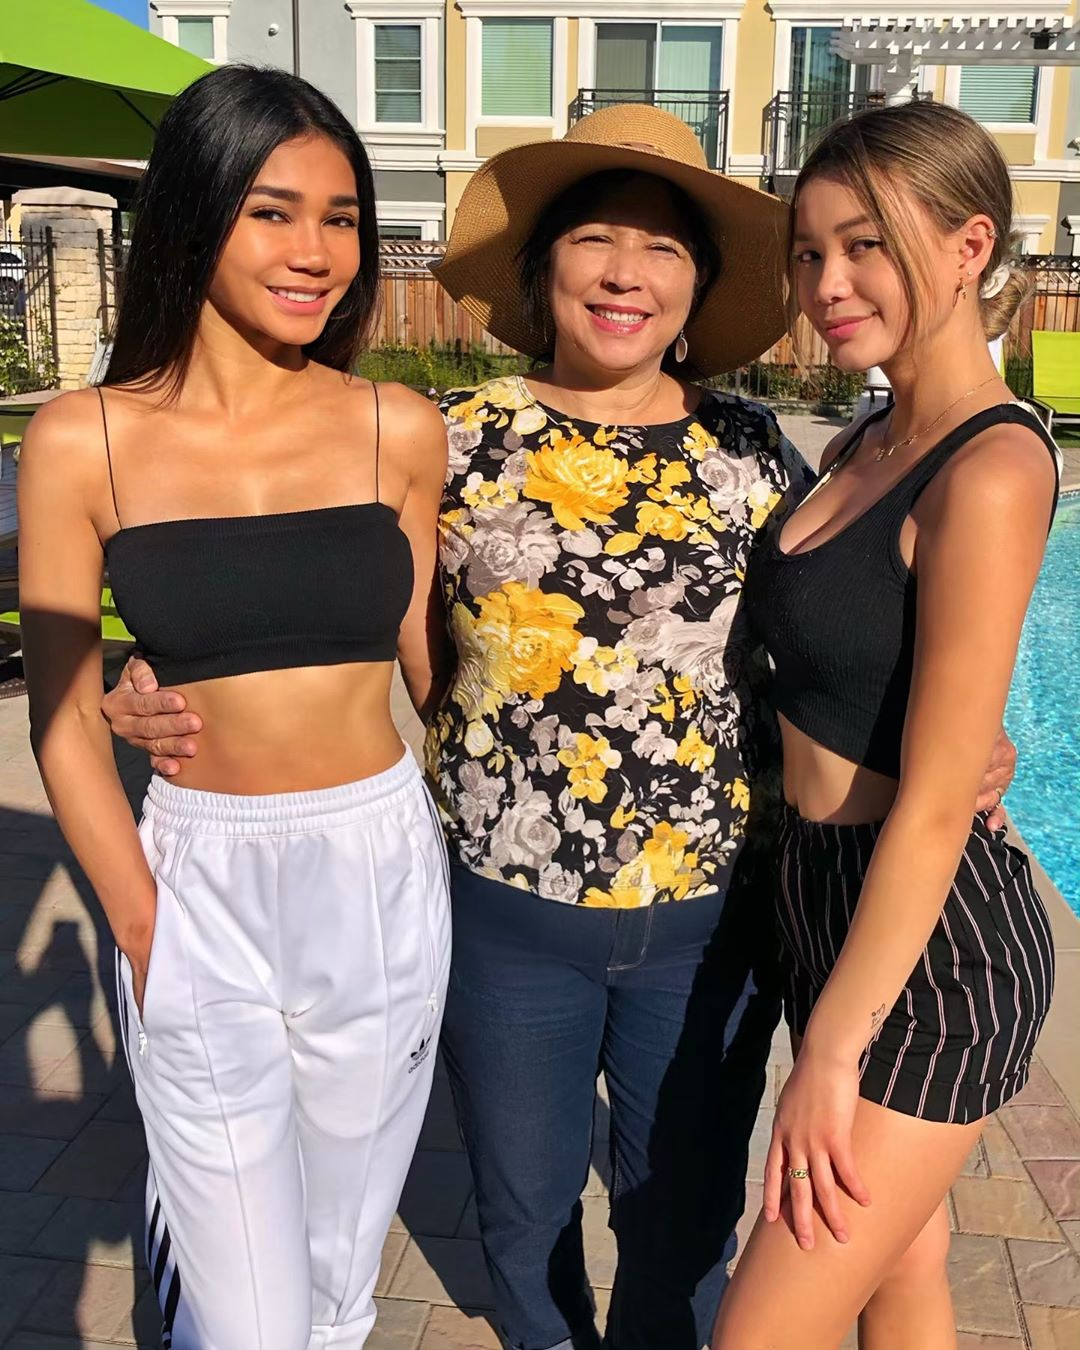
(28, 315)
(705, 112)
(793, 120)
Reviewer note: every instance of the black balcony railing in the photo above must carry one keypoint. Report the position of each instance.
(793, 121)
(705, 113)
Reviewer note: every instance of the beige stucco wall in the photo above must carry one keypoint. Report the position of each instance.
(1039, 199)
(490, 140)
(455, 186)
(455, 82)
(1018, 147)
(1059, 111)
(753, 83)
(573, 38)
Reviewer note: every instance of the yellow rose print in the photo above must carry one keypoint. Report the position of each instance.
(602, 669)
(761, 499)
(482, 677)
(738, 794)
(697, 442)
(588, 760)
(664, 521)
(664, 864)
(533, 632)
(693, 751)
(582, 482)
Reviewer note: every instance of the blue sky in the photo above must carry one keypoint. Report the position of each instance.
(135, 10)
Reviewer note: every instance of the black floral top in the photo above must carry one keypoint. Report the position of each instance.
(595, 744)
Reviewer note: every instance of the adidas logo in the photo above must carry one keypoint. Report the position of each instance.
(420, 1054)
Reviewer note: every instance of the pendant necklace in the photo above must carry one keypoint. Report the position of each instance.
(886, 450)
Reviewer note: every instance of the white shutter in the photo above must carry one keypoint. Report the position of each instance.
(999, 93)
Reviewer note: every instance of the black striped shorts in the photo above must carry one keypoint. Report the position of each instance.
(958, 1041)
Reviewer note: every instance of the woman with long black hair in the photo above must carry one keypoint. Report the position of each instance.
(268, 522)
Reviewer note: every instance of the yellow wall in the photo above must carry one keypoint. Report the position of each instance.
(455, 186)
(1059, 110)
(490, 140)
(455, 79)
(1018, 147)
(1039, 199)
(753, 78)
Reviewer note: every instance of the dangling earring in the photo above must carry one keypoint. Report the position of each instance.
(682, 347)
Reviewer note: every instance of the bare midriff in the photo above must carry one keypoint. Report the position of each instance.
(823, 786)
(296, 730)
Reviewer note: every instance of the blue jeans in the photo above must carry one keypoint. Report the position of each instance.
(676, 1005)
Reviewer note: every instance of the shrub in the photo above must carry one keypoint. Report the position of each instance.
(437, 367)
(20, 370)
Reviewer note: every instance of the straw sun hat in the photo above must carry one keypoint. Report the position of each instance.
(743, 312)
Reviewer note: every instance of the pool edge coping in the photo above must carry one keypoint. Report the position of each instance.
(1059, 1045)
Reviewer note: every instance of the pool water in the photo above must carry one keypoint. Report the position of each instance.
(1043, 715)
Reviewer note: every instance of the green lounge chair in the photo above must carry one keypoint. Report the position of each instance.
(1055, 376)
(113, 631)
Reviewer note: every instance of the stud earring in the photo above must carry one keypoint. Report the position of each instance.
(682, 347)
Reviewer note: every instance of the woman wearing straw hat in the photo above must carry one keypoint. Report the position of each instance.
(601, 742)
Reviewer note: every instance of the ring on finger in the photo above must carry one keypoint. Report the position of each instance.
(798, 1173)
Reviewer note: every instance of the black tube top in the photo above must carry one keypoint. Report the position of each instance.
(838, 619)
(220, 596)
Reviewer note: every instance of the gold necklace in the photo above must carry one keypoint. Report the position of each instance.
(886, 451)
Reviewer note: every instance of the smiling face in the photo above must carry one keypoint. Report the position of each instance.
(853, 291)
(621, 283)
(294, 249)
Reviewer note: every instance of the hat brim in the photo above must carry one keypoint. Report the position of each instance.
(743, 312)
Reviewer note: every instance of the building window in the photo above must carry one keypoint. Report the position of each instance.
(197, 26)
(1005, 94)
(399, 231)
(398, 73)
(817, 70)
(196, 36)
(517, 68)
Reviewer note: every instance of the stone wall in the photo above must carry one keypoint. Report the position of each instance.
(74, 218)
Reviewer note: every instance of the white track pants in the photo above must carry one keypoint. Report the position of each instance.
(285, 1056)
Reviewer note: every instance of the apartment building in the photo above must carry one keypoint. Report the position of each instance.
(436, 86)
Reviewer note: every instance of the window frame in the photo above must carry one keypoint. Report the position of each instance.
(474, 12)
(510, 119)
(430, 216)
(428, 134)
(385, 124)
(170, 12)
(954, 74)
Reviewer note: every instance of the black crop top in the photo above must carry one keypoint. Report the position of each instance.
(838, 619)
(206, 598)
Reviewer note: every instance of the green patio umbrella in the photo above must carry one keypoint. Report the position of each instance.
(76, 80)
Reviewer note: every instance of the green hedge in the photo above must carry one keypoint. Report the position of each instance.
(436, 367)
(449, 366)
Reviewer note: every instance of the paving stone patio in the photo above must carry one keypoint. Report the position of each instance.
(72, 1163)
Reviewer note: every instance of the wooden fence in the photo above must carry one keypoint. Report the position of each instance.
(417, 312)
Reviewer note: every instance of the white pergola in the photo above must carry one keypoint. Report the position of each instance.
(937, 35)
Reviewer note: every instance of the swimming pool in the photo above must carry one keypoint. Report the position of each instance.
(1043, 715)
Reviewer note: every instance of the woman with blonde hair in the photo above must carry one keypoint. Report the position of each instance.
(918, 958)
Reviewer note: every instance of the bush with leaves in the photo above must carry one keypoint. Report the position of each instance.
(20, 370)
(437, 367)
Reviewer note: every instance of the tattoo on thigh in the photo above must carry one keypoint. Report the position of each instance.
(877, 1017)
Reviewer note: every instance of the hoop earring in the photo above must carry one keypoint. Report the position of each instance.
(682, 347)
